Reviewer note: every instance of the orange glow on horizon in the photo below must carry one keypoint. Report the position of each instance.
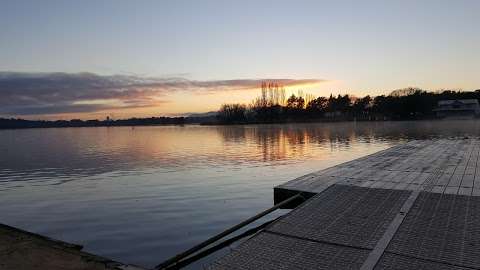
(183, 102)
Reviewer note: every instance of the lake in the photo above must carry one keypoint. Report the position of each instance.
(140, 195)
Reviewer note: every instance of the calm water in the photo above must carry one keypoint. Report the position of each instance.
(141, 195)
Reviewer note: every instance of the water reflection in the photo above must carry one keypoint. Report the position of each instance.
(284, 142)
(141, 195)
(64, 153)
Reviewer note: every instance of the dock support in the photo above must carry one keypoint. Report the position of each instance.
(168, 264)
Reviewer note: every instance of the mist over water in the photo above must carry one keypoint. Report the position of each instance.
(140, 195)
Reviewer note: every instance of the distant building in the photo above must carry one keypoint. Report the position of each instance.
(458, 108)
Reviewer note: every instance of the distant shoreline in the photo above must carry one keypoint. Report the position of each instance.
(33, 124)
(338, 121)
(153, 121)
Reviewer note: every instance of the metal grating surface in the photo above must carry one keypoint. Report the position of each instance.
(443, 228)
(357, 202)
(396, 262)
(346, 215)
(271, 251)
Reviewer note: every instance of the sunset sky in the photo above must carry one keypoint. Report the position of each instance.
(89, 59)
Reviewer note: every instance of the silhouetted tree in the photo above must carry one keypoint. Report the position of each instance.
(361, 107)
(295, 103)
(317, 107)
(407, 103)
(232, 113)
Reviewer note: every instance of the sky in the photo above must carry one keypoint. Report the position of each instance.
(93, 58)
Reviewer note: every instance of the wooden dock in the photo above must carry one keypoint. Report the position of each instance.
(413, 206)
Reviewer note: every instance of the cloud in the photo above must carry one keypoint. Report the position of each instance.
(52, 93)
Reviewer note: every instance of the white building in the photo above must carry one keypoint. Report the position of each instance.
(458, 108)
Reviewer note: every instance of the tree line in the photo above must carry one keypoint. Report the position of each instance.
(13, 123)
(272, 106)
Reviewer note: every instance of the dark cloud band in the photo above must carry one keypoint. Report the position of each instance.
(52, 93)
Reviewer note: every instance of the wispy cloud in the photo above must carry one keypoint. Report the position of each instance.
(52, 93)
